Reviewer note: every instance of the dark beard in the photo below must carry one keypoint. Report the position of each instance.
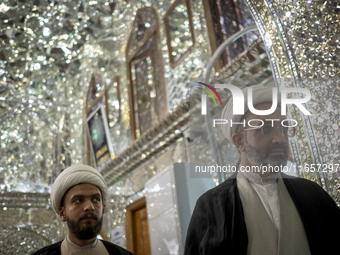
(255, 157)
(86, 232)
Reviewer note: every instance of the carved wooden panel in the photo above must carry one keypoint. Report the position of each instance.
(145, 73)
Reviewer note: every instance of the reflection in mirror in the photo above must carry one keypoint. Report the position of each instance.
(225, 18)
(179, 31)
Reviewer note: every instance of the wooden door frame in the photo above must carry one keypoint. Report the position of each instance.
(129, 222)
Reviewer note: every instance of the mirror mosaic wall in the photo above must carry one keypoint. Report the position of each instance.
(49, 51)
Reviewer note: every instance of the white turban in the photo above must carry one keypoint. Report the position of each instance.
(261, 94)
(74, 175)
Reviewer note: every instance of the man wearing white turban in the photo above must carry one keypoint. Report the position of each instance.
(79, 196)
(262, 212)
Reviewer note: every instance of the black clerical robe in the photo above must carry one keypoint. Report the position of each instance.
(217, 225)
(55, 249)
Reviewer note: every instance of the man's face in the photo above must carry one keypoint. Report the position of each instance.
(83, 211)
(266, 150)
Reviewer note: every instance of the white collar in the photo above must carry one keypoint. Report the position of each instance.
(255, 178)
(91, 245)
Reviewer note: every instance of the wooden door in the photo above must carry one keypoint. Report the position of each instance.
(137, 232)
